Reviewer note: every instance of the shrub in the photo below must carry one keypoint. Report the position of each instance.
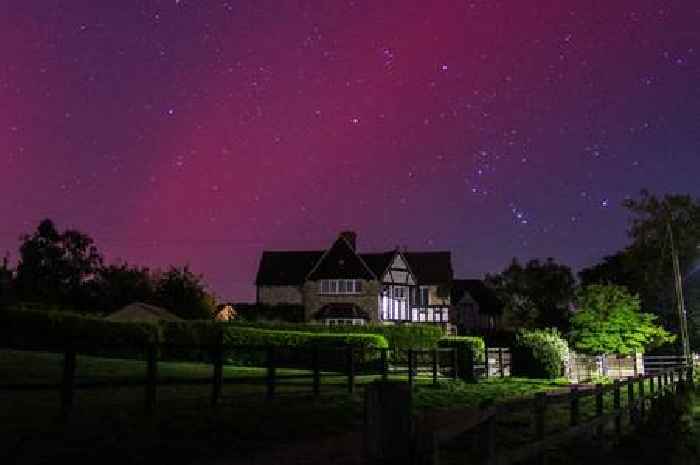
(469, 350)
(53, 330)
(182, 340)
(398, 336)
(539, 353)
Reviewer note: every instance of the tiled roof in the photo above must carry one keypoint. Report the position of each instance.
(291, 268)
(430, 267)
(286, 267)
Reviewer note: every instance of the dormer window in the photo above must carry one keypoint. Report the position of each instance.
(341, 286)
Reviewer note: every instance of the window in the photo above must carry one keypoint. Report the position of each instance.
(345, 321)
(399, 293)
(423, 297)
(341, 286)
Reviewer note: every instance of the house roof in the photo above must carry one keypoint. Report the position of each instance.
(341, 262)
(280, 268)
(485, 297)
(378, 262)
(138, 311)
(292, 268)
(340, 310)
(430, 267)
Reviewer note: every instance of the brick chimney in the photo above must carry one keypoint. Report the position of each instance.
(350, 237)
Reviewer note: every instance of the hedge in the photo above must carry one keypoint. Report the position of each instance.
(52, 330)
(539, 353)
(417, 336)
(42, 330)
(469, 349)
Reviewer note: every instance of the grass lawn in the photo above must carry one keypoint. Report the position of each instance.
(108, 423)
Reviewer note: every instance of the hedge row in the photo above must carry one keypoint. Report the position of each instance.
(416, 336)
(33, 329)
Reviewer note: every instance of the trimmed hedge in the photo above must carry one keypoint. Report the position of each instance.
(539, 353)
(52, 330)
(34, 329)
(469, 350)
(418, 336)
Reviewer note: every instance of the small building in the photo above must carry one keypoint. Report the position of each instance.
(225, 312)
(138, 311)
(475, 307)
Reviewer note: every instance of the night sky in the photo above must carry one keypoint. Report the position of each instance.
(202, 132)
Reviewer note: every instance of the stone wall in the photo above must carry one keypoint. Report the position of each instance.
(368, 300)
(276, 295)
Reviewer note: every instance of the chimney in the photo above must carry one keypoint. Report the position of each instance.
(350, 237)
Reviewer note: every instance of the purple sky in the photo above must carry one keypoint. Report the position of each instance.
(202, 132)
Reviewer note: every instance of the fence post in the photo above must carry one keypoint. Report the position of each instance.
(455, 364)
(351, 369)
(218, 375)
(616, 406)
(271, 372)
(317, 371)
(599, 407)
(486, 361)
(574, 405)
(68, 381)
(151, 377)
(388, 423)
(642, 400)
(630, 401)
(410, 367)
(500, 361)
(540, 406)
(491, 440)
(435, 366)
(689, 376)
(385, 365)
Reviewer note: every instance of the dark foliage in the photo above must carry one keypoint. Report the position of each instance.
(56, 267)
(538, 294)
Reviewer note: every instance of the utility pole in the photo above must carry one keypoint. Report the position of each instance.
(680, 301)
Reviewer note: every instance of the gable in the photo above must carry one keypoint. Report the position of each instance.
(398, 272)
(340, 262)
(430, 267)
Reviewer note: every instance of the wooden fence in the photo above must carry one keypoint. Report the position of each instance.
(632, 398)
(315, 365)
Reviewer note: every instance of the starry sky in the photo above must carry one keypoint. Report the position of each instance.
(201, 132)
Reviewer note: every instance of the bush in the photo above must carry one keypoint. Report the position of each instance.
(469, 350)
(42, 330)
(420, 336)
(182, 340)
(539, 353)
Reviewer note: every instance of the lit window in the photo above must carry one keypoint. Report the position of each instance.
(341, 286)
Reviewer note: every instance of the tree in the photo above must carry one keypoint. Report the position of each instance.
(119, 285)
(538, 294)
(183, 293)
(645, 266)
(54, 267)
(7, 285)
(608, 320)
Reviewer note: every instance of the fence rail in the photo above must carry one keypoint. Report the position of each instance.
(642, 392)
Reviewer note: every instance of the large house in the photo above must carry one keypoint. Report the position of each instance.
(341, 286)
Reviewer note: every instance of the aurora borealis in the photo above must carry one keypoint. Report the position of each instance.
(202, 132)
